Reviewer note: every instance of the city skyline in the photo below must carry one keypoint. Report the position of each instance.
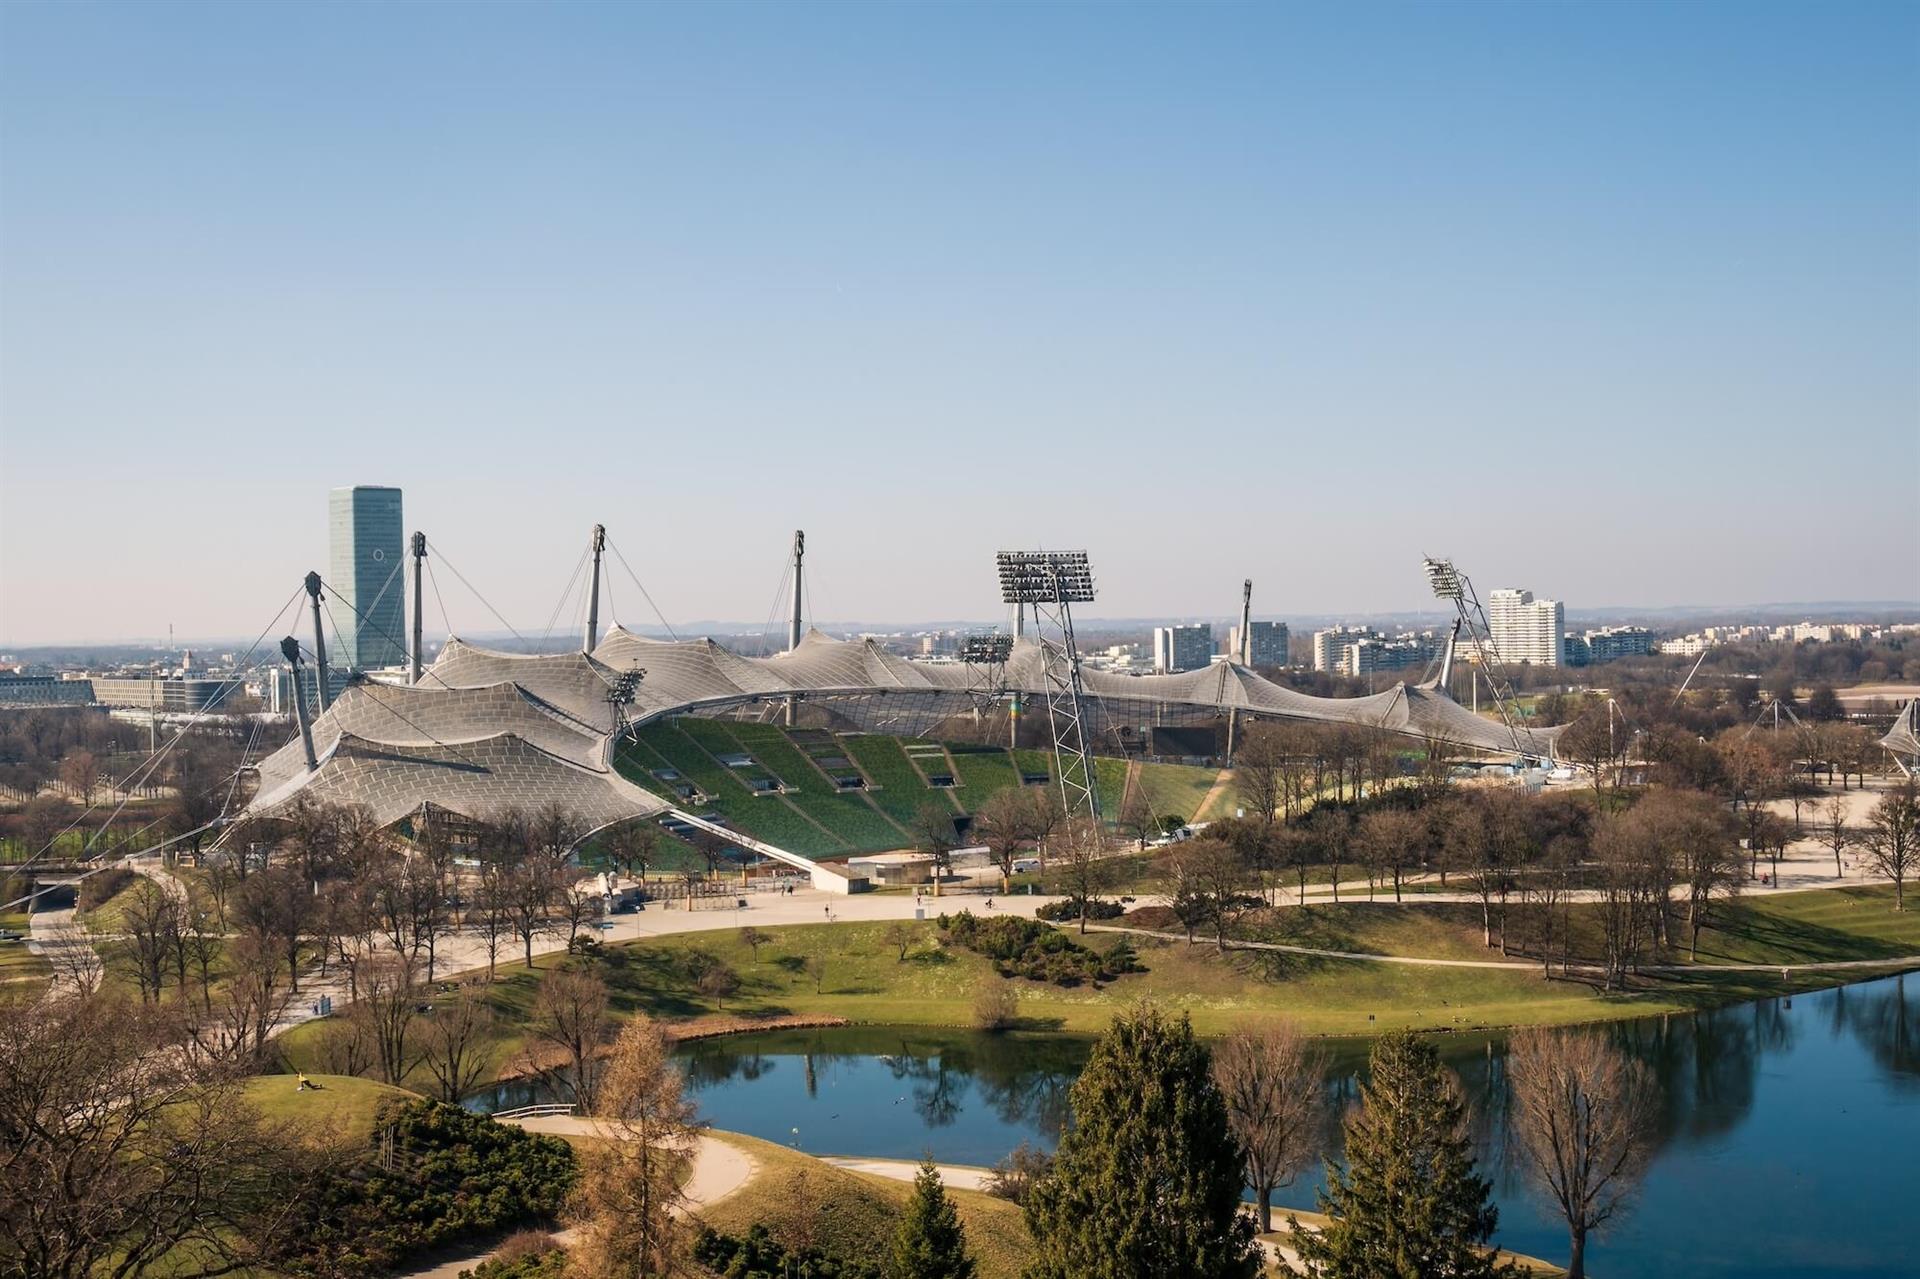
(1612, 313)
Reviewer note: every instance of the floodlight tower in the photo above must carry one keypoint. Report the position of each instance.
(1450, 583)
(1053, 582)
(986, 661)
(622, 694)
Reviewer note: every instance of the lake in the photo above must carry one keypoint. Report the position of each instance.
(1788, 1134)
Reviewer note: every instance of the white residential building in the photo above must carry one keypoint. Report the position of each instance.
(1524, 629)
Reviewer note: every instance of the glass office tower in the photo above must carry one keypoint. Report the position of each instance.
(366, 576)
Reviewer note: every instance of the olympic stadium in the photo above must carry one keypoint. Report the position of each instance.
(479, 732)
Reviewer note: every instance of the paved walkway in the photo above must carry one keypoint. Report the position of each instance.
(957, 1176)
(1823, 966)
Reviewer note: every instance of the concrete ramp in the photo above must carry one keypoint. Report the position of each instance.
(826, 878)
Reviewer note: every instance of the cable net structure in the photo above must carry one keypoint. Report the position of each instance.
(485, 731)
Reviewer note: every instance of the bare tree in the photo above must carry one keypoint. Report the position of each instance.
(492, 912)
(151, 918)
(1003, 824)
(1583, 1113)
(387, 1007)
(1259, 767)
(1084, 868)
(567, 1027)
(632, 846)
(454, 1039)
(901, 937)
(125, 1154)
(580, 901)
(1836, 832)
(629, 1192)
(80, 772)
(933, 830)
(1892, 838)
(754, 938)
(1271, 1081)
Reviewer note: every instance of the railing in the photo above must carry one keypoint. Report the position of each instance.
(543, 1111)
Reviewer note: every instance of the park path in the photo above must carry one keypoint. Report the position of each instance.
(1820, 966)
(957, 1176)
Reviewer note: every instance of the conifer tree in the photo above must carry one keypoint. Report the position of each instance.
(1147, 1182)
(930, 1243)
(1409, 1204)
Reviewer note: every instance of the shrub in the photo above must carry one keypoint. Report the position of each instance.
(760, 1256)
(996, 1007)
(526, 1254)
(1068, 910)
(1014, 1176)
(1026, 948)
(432, 1173)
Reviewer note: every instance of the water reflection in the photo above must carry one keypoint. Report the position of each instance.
(1780, 1120)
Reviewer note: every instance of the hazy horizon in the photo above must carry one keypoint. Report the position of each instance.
(1614, 303)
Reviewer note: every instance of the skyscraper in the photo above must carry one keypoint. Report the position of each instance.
(366, 575)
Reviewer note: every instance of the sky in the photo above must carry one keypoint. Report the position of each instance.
(1619, 302)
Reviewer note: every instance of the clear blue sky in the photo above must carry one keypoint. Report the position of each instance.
(1620, 301)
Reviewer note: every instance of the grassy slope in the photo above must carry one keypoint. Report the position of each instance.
(20, 968)
(850, 1214)
(1176, 789)
(341, 1106)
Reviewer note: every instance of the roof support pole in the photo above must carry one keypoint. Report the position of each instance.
(1245, 655)
(319, 646)
(793, 624)
(290, 649)
(599, 545)
(1446, 662)
(419, 600)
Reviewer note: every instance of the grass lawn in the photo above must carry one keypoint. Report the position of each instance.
(341, 1106)
(19, 967)
(1812, 926)
(850, 1214)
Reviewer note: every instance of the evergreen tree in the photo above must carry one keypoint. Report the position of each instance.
(1147, 1182)
(930, 1243)
(1409, 1204)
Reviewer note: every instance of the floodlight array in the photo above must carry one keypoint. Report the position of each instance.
(1445, 580)
(625, 687)
(986, 650)
(1045, 577)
